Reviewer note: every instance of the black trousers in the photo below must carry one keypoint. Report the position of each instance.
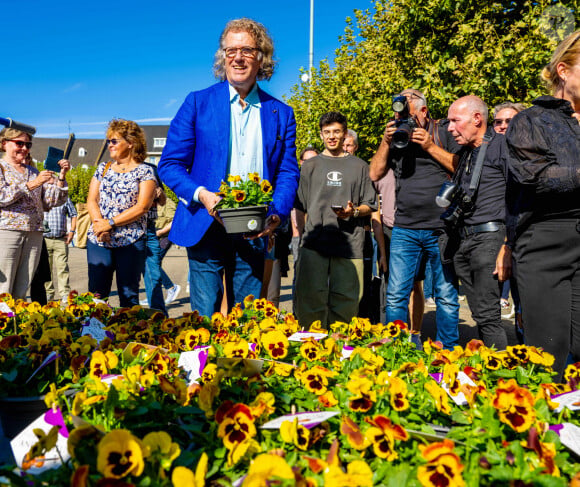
(42, 275)
(474, 264)
(548, 274)
(368, 306)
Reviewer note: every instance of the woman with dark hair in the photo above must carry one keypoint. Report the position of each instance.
(25, 193)
(120, 194)
(544, 147)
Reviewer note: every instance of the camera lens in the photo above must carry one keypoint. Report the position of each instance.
(446, 194)
(402, 136)
(399, 103)
(398, 106)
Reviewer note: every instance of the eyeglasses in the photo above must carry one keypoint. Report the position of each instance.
(21, 143)
(114, 141)
(330, 133)
(500, 121)
(249, 52)
(411, 96)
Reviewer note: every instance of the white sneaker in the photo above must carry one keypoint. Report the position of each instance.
(172, 294)
(508, 313)
(144, 302)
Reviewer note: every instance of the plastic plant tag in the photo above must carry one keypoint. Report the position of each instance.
(95, 329)
(302, 336)
(570, 400)
(346, 352)
(569, 436)
(308, 419)
(51, 357)
(4, 308)
(109, 378)
(27, 438)
(193, 363)
(54, 418)
(463, 378)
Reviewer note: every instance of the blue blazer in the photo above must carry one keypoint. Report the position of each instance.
(196, 154)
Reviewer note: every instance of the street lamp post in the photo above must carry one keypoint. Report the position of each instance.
(311, 49)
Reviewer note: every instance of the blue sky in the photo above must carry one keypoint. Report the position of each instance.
(85, 62)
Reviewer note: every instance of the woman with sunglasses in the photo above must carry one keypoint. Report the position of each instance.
(25, 193)
(120, 195)
(544, 158)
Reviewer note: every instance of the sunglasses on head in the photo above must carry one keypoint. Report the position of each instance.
(21, 143)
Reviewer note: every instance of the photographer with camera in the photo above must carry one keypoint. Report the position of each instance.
(476, 211)
(420, 151)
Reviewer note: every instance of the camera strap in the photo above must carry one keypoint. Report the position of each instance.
(478, 168)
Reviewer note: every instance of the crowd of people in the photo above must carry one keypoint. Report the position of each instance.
(462, 200)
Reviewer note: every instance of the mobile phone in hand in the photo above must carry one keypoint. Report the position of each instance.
(336, 208)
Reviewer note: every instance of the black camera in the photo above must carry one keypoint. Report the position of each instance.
(458, 203)
(405, 123)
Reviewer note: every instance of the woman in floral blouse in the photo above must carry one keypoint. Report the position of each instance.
(25, 194)
(120, 194)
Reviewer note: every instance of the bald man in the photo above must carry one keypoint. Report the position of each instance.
(482, 226)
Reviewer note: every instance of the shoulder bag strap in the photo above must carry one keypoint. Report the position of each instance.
(107, 166)
(477, 169)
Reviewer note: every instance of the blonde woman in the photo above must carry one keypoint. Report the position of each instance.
(544, 150)
(25, 193)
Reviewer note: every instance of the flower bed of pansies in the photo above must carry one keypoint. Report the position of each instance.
(138, 419)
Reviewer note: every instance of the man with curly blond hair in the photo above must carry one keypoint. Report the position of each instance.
(232, 127)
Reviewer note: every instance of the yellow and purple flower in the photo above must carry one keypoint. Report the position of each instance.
(120, 454)
(443, 466)
(276, 344)
(382, 435)
(515, 405)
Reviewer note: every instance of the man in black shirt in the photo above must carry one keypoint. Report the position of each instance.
(420, 169)
(336, 193)
(482, 229)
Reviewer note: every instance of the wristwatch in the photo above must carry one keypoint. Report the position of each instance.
(112, 223)
(356, 213)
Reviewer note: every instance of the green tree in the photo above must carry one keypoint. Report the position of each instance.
(79, 180)
(444, 48)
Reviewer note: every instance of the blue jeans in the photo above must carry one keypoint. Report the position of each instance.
(165, 279)
(428, 287)
(407, 249)
(127, 262)
(217, 252)
(152, 276)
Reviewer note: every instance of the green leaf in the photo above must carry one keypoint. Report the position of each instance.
(111, 402)
(460, 417)
(521, 376)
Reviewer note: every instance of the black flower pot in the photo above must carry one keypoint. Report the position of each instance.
(16, 413)
(249, 219)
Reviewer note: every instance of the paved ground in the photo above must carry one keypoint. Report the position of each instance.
(175, 264)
